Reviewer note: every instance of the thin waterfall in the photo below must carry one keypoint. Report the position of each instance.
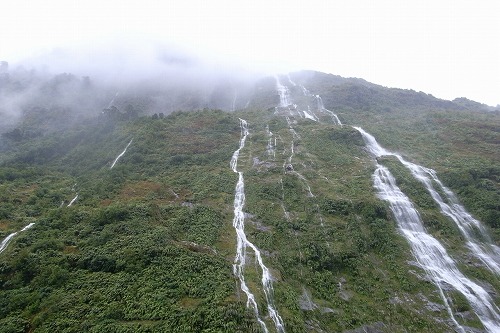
(121, 154)
(242, 243)
(322, 108)
(8, 239)
(73, 200)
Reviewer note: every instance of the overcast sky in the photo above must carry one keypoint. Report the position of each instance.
(449, 48)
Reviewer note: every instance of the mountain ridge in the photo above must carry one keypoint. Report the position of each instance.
(148, 244)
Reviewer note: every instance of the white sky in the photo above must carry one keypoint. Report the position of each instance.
(449, 48)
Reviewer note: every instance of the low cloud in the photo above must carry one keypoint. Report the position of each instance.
(148, 76)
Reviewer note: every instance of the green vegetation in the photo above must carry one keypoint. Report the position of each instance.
(148, 246)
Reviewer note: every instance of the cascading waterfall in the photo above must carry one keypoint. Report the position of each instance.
(283, 92)
(288, 162)
(288, 166)
(7, 239)
(284, 96)
(308, 187)
(291, 129)
(270, 149)
(242, 243)
(112, 165)
(300, 114)
(285, 212)
(309, 114)
(73, 200)
(488, 253)
(430, 254)
(321, 108)
(121, 154)
(305, 91)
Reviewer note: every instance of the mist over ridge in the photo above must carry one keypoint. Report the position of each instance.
(85, 81)
(144, 77)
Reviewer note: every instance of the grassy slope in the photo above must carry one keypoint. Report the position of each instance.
(340, 246)
(461, 146)
(146, 247)
(149, 244)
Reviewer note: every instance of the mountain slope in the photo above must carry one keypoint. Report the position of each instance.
(149, 245)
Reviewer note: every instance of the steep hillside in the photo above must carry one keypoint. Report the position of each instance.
(266, 219)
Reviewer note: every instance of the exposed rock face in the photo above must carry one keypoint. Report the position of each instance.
(305, 301)
(378, 327)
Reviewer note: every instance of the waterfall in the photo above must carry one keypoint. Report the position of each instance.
(283, 92)
(73, 200)
(270, 149)
(7, 239)
(242, 243)
(430, 254)
(310, 115)
(121, 154)
(321, 108)
(488, 253)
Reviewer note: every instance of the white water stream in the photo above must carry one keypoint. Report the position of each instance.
(430, 254)
(283, 92)
(242, 243)
(121, 154)
(305, 91)
(486, 252)
(73, 200)
(309, 114)
(321, 108)
(291, 129)
(271, 148)
(7, 239)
